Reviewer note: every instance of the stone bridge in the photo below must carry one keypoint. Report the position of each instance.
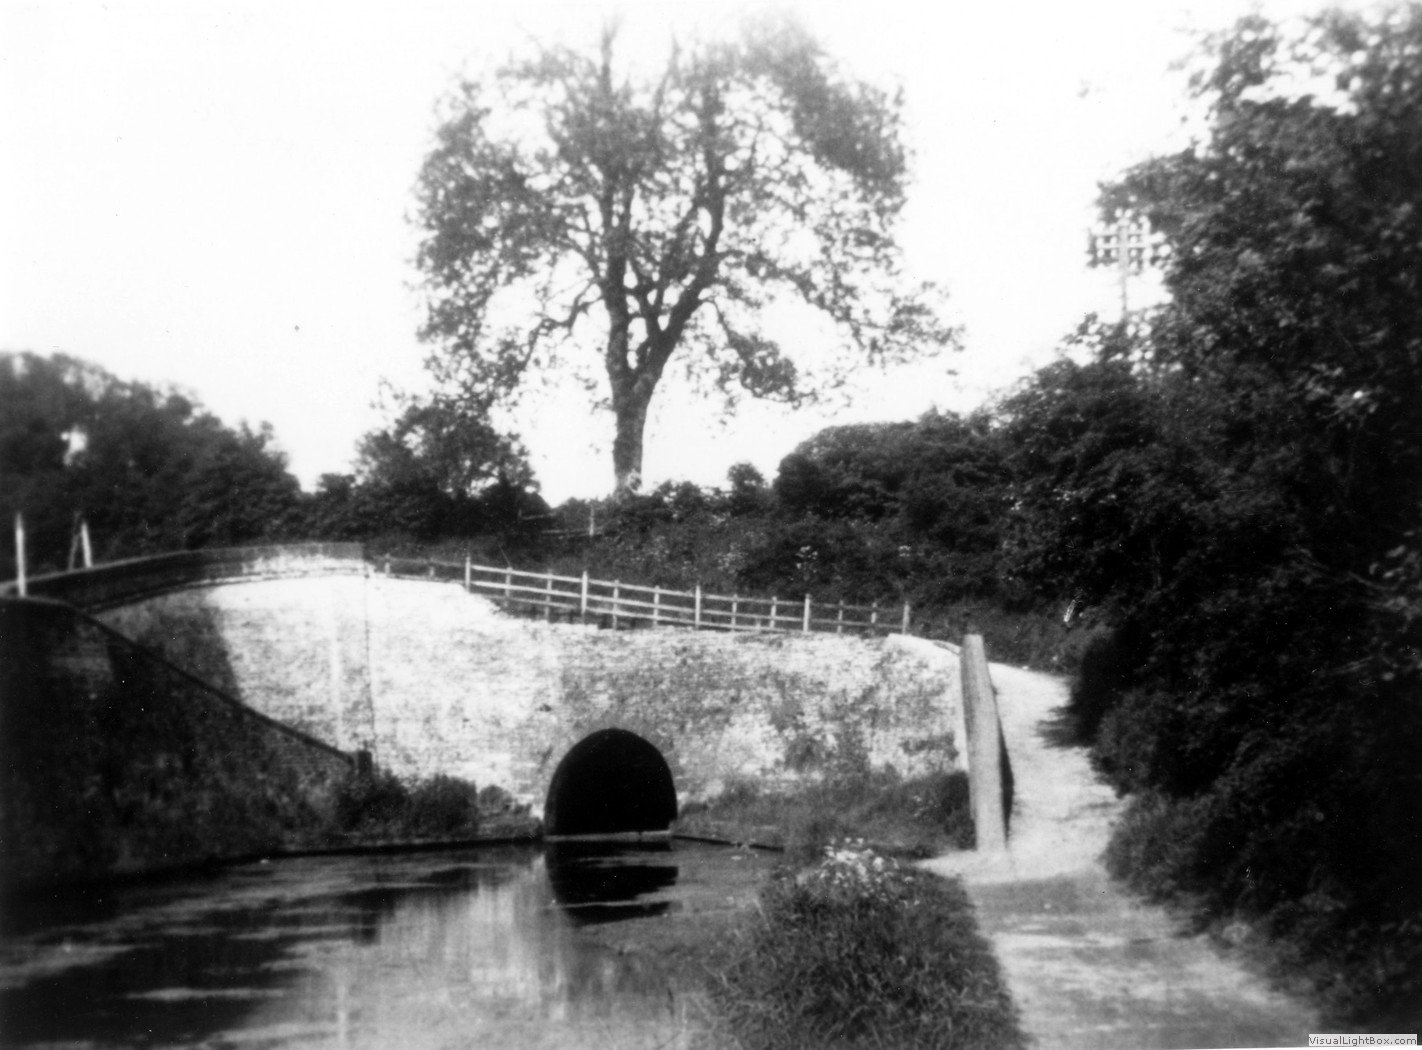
(432, 680)
(584, 724)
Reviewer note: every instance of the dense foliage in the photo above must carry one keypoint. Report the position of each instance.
(148, 469)
(1246, 509)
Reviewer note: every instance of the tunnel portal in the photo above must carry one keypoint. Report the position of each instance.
(612, 781)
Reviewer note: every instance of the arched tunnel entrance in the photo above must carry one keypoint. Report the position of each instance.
(612, 781)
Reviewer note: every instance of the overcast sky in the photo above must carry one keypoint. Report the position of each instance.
(216, 195)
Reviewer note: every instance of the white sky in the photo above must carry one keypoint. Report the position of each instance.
(215, 195)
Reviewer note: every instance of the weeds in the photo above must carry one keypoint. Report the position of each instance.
(917, 817)
(858, 950)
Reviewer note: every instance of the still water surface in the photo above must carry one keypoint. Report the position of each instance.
(488, 947)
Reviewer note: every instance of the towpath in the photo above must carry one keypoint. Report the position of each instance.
(1089, 964)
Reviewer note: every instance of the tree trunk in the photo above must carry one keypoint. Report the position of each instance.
(630, 408)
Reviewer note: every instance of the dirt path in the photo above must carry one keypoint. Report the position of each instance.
(1090, 965)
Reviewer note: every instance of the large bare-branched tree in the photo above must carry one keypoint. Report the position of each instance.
(571, 208)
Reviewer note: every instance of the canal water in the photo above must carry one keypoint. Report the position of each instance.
(494, 946)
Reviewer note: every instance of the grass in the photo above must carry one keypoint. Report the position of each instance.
(859, 950)
(915, 817)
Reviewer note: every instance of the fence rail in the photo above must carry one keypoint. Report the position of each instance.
(628, 604)
(612, 602)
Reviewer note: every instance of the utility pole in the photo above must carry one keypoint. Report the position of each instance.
(1127, 243)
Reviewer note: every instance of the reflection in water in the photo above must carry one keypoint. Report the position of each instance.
(434, 949)
(595, 882)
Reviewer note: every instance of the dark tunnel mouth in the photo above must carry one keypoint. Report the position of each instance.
(611, 782)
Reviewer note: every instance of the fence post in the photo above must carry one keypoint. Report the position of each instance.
(20, 556)
(548, 599)
(839, 619)
(772, 612)
(468, 574)
(88, 547)
(873, 618)
(616, 598)
(508, 582)
(807, 615)
(735, 601)
(583, 602)
(656, 605)
(696, 615)
(906, 617)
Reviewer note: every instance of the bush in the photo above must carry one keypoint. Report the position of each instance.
(380, 805)
(859, 950)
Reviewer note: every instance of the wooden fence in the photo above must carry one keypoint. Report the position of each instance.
(626, 604)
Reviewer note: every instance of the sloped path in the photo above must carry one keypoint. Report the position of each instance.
(1089, 964)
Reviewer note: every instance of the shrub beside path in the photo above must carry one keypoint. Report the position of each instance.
(1089, 964)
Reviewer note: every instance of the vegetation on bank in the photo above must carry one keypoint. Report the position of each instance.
(376, 806)
(900, 817)
(859, 950)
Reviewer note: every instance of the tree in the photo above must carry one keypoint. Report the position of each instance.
(435, 443)
(682, 208)
(146, 467)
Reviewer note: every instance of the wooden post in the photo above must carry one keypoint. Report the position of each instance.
(873, 618)
(984, 747)
(735, 601)
(508, 582)
(839, 618)
(583, 604)
(616, 597)
(656, 605)
(906, 617)
(696, 615)
(772, 612)
(20, 581)
(807, 614)
(88, 547)
(468, 573)
(548, 599)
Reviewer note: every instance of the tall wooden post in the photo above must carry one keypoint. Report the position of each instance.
(20, 580)
(984, 747)
(772, 612)
(906, 617)
(656, 605)
(616, 601)
(696, 614)
(583, 602)
(468, 574)
(84, 541)
(806, 624)
(735, 601)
